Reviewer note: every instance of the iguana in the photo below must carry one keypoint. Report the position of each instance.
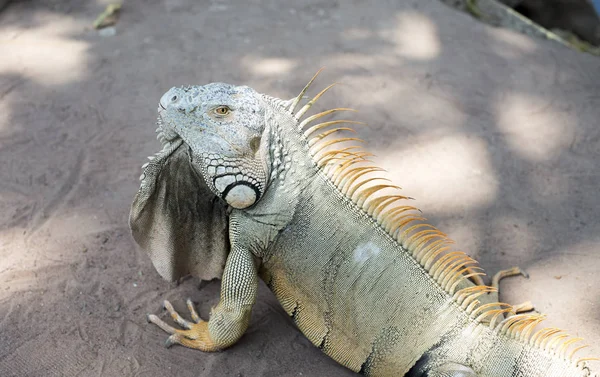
(246, 185)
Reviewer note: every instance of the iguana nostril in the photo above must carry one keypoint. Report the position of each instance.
(169, 98)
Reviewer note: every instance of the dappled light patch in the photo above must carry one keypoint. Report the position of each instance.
(533, 127)
(510, 44)
(272, 67)
(416, 36)
(46, 53)
(464, 176)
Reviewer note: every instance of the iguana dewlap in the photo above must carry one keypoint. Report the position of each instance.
(246, 185)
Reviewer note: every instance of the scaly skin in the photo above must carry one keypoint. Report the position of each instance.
(367, 282)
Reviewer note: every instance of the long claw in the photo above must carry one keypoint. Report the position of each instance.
(176, 317)
(160, 323)
(173, 339)
(195, 317)
(204, 344)
(196, 336)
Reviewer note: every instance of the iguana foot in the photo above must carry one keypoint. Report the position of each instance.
(195, 334)
(507, 273)
(526, 306)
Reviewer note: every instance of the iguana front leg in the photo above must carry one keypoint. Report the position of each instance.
(229, 319)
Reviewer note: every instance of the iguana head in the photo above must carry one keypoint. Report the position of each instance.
(213, 146)
(223, 125)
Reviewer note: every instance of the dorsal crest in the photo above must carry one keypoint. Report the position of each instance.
(336, 153)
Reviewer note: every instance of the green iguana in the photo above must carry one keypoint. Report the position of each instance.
(247, 186)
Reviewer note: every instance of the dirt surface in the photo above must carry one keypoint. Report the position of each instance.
(495, 133)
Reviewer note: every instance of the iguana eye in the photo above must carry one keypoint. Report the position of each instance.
(222, 110)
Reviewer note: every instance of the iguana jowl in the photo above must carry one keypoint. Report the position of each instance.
(364, 277)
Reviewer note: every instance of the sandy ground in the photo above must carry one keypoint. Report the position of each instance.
(495, 133)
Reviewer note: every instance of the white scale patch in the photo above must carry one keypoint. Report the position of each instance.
(221, 183)
(241, 197)
(365, 251)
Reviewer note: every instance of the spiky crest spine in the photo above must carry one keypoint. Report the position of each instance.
(349, 170)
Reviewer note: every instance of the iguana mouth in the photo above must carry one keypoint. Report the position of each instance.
(164, 135)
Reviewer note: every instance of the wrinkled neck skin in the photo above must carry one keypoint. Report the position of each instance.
(291, 172)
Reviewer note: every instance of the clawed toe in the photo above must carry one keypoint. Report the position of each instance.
(160, 323)
(176, 317)
(514, 271)
(195, 334)
(171, 340)
(195, 317)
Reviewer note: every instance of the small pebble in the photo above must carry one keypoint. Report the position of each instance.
(107, 32)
